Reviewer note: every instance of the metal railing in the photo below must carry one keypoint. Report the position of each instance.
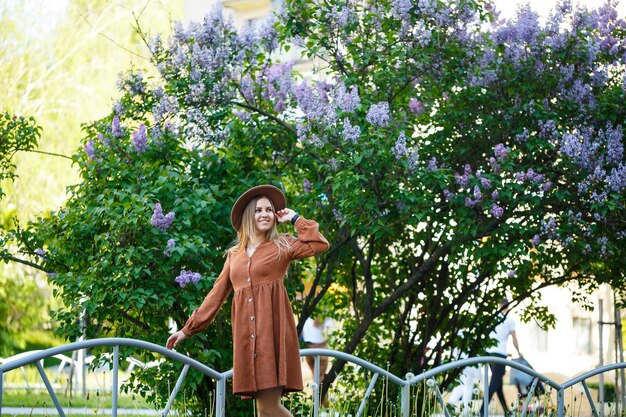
(404, 385)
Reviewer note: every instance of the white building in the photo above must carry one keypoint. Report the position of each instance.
(573, 346)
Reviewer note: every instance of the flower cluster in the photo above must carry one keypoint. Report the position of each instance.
(90, 150)
(171, 244)
(500, 151)
(306, 185)
(187, 277)
(400, 150)
(350, 132)
(159, 220)
(278, 83)
(378, 114)
(347, 101)
(416, 107)
(116, 128)
(132, 83)
(529, 175)
(314, 101)
(140, 139)
(497, 211)
(600, 155)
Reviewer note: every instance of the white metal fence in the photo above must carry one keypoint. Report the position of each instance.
(36, 358)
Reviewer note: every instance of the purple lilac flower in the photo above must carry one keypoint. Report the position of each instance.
(140, 139)
(118, 108)
(279, 83)
(347, 101)
(268, 34)
(616, 180)
(338, 216)
(243, 115)
(131, 82)
(187, 277)
(315, 140)
(547, 130)
(378, 114)
(341, 17)
(167, 105)
(533, 176)
(413, 158)
(461, 180)
(469, 202)
(40, 252)
(500, 151)
(485, 183)
(416, 107)
(603, 241)
(497, 211)
(536, 240)
(306, 184)
(548, 227)
(116, 129)
(477, 193)
(89, 149)
(522, 137)
(614, 144)
(171, 244)
(520, 176)
(447, 194)
(350, 132)
(467, 169)
(399, 149)
(432, 164)
(313, 101)
(511, 273)
(495, 195)
(302, 131)
(159, 220)
(546, 186)
(401, 9)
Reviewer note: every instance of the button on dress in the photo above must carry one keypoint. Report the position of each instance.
(266, 353)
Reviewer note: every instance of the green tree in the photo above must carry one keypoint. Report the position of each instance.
(449, 164)
(56, 65)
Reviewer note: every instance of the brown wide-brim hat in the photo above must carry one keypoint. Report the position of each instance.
(273, 193)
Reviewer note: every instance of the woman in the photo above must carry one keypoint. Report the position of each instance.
(265, 343)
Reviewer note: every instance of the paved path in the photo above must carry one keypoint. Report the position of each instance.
(51, 411)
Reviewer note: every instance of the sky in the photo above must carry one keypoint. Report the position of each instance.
(543, 7)
(507, 7)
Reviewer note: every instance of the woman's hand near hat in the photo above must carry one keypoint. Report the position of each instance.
(285, 215)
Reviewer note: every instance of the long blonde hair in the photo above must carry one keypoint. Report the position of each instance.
(247, 229)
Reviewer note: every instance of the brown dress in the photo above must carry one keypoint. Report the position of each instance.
(265, 343)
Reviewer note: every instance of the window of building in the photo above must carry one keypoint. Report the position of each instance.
(582, 335)
(539, 338)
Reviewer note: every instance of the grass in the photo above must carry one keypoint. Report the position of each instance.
(31, 399)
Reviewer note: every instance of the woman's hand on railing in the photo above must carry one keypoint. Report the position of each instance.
(175, 339)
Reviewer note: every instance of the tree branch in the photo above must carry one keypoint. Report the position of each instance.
(25, 262)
